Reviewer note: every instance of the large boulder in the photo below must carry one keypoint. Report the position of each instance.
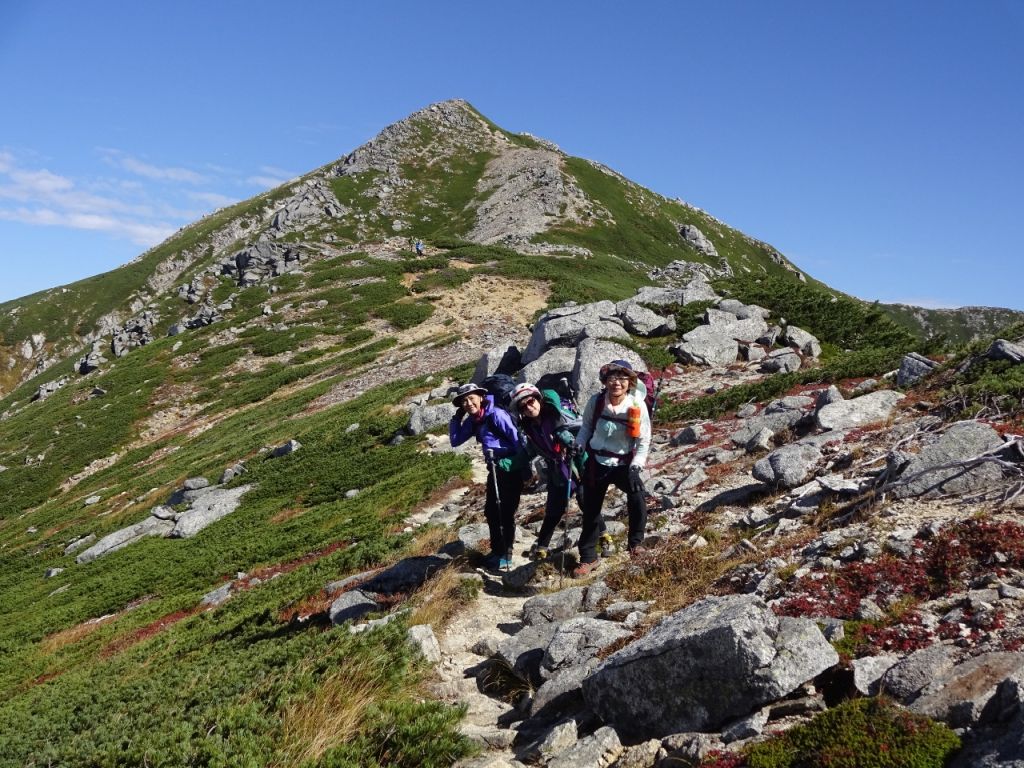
(120, 539)
(407, 575)
(718, 659)
(778, 415)
(697, 240)
(781, 361)
(1002, 349)
(866, 409)
(556, 606)
(644, 322)
(788, 466)
(716, 350)
(556, 362)
(351, 605)
(590, 356)
(424, 418)
(524, 651)
(740, 330)
(577, 641)
(208, 508)
(913, 368)
(503, 357)
(905, 679)
(741, 310)
(959, 696)
(807, 343)
(565, 327)
(963, 440)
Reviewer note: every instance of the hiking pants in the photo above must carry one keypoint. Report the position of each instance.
(598, 478)
(555, 507)
(501, 523)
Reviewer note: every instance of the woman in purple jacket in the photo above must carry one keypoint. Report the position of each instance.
(477, 416)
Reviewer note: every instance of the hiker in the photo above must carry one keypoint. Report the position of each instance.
(476, 415)
(616, 433)
(549, 426)
(419, 247)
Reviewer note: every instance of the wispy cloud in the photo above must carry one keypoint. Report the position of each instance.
(215, 199)
(40, 197)
(269, 177)
(133, 199)
(126, 162)
(138, 232)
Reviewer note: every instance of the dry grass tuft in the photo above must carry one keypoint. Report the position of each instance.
(333, 713)
(442, 598)
(286, 514)
(673, 576)
(72, 635)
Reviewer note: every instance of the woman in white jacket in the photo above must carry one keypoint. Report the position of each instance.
(616, 433)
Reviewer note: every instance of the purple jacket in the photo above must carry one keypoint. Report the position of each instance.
(495, 432)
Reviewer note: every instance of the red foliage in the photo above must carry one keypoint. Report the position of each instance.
(838, 594)
(907, 635)
(718, 759)
(968, 549)
(148, 631)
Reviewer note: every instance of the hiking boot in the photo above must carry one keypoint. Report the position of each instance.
(607, 545)
(538, 552)
(638, 551)
(505, 563)
(584, 569)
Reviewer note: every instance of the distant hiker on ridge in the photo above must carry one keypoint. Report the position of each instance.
(476, 415)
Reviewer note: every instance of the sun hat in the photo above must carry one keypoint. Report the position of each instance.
(467, 389)
(524, 392)
(621, 366)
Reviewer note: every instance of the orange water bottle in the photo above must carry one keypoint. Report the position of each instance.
(633, 420)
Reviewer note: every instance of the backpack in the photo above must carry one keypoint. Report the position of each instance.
(561, 387)
(500, 386)
(645, 387)
(651, 395)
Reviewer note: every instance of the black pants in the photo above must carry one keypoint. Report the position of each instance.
(501, 523)
(555, 507)
(597, 479)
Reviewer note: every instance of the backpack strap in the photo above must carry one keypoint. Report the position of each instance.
(598, 415)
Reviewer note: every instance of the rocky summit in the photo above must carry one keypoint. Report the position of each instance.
(234, 531)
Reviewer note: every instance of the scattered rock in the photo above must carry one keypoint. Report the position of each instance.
(866, 409)
(719, 659)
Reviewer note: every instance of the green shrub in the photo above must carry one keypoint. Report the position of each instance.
(404, 315)
(358, 336)
(832, 317)
(863, 733)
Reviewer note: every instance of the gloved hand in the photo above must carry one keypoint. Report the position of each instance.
(636, 485)
(577, 449)
(459, 413)
(505, 464)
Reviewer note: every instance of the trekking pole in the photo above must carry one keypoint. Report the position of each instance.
(493, 467)
(565, 528)
(657, 391)
(572, 393)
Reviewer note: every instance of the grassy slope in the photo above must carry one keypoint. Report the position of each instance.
(957, 326)
(86, 693)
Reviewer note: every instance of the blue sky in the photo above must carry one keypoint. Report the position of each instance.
(878, 145)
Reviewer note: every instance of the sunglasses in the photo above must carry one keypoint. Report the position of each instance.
(616, 377)
(526, 401)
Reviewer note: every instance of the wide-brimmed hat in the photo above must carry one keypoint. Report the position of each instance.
(524, 392)
(618, 366)
(467, 389)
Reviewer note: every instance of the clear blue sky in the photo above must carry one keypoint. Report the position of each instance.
(877, 144)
